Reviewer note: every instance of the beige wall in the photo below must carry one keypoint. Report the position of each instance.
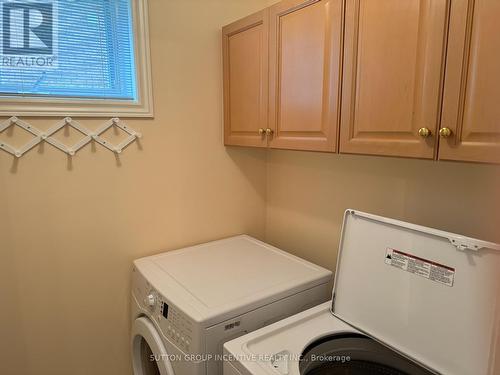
(68, 236)
(307, 194)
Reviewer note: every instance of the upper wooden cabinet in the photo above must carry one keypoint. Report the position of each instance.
(393, 67)
(471, 105)
(245, 53)
(304, 74)
(412, 78)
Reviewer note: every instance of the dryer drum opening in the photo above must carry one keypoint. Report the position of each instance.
(354, 354)
(149, 366)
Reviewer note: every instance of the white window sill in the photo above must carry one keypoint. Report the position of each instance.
(54, 107)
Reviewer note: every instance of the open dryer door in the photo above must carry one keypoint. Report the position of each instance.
(149, 356)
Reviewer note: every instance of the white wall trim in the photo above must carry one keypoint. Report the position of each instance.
(143, 107)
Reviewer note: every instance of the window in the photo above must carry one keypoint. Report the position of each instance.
(74, 57)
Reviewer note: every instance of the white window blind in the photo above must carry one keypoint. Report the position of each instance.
(91, 43)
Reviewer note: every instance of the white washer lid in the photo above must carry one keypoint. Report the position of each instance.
(217, 280)
(221, 272)
(431, 295)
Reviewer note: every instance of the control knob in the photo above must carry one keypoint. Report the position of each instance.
(150, 300)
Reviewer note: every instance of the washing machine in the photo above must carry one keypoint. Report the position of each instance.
(187, 303)
(407, 300)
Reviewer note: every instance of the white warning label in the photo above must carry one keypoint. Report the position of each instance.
(419, 266)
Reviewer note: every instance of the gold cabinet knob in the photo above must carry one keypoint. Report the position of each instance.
(261, 131)
(424, 132)
(269, 132)
(445, 132)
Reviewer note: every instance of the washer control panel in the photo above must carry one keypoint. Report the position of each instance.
(176, 325)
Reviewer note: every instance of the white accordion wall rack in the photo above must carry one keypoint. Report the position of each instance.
(47, 136)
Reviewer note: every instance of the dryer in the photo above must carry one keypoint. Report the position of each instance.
(187, 303)
(407, 300)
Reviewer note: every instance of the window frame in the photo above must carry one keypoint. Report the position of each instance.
(88, 107)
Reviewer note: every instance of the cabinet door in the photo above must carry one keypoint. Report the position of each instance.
(393, 74)
(471, 105)
(304, 70)
(245, 55)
